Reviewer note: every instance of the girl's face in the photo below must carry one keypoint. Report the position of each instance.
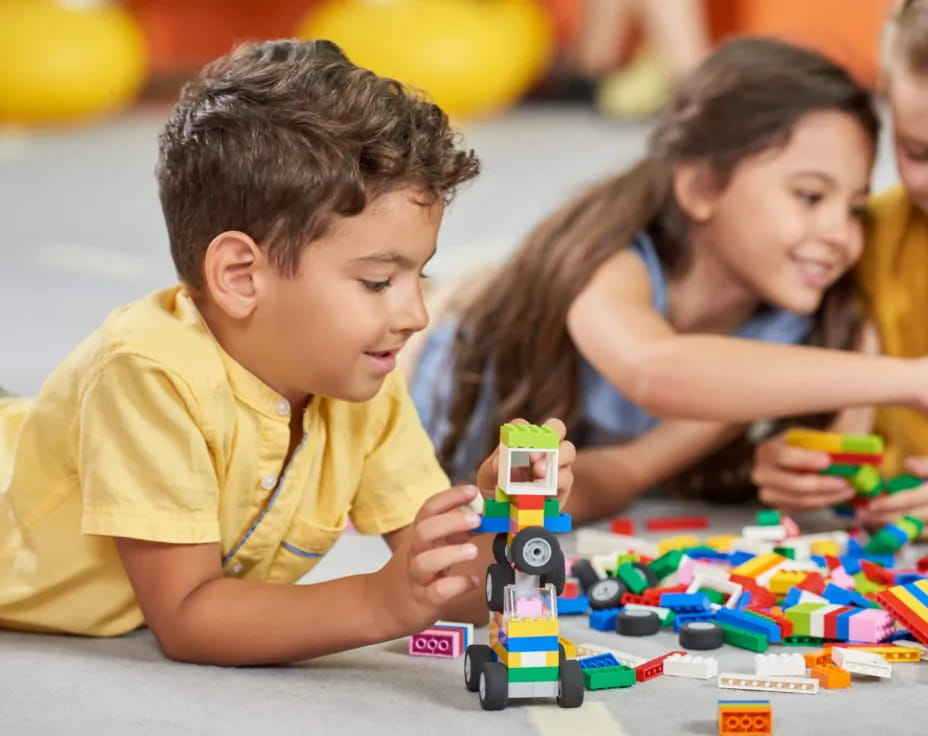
(908, 100)
(788, 223)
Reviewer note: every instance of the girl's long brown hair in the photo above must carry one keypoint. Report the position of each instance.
(743, 99)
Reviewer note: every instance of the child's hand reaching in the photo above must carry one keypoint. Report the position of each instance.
(787, 477)
(885, 509)
(567, 453)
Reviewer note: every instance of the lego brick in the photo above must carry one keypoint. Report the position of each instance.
(622, 526)
(685, 602)
(867, 481)
(870, 625)
(676, 523)
(861, 663)
(666, 564)
(652, 596)
(856, 458)
(434, 642)
(653, 668)
(573, 606)
(501, 496)
(766, 665)
(606, 659)
(608, 677)
(765, 564)
(529, 503)
(604, 619)
(490, 525)
(532, 627)
(844, 471)
(737, 681)
(902, 483)
(744, 639)
(493, 509)
(783, 623)
(678, 542)
(768, 517)
(803, 641)
(466, 629)
(533, 659)
(533, 689)
(721, 542)
(768, 629)
(745, 718)
(783, 580)
(817, 658)
(530, 436)
(632, 577)
(764, 533)
(530, 643)
(570, 649)
(624, 658)
(664, 614)
(560, 524)
(890, 653)
(690, 665)
(830, 677)
(533, 674)
(551, 507)
(523, 519)
(501, 652)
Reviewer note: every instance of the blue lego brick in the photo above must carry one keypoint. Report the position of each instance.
(573, 606)
(834, 594)
(902, 635)
(755, 624)
(706, 553)
(820, 561)
(604, 619)
(599, 660)
(685, 602)
(844, 510)
(744, 599)
(491, 525)
(850, 563)
(739, 558)
(560, 524)
(530, 643)
(854, 547)
(792, 598)
(842, 624)
(685, 618)
(906, 578)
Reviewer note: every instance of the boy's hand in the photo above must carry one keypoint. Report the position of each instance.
(567, 453)
(787, 477)
(886, 509)
(417, 582)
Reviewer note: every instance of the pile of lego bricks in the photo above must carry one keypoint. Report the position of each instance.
(769, 586)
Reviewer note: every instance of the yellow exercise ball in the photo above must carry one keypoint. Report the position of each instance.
(474, 57)
(67, 62)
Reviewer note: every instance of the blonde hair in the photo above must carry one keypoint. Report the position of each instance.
(905, 38)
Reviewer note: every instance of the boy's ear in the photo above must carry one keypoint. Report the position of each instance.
(696, 189)
(231, 271)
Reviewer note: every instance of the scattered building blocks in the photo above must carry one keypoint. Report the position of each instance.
(652, 668)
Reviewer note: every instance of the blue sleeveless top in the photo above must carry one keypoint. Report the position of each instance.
(605, 415)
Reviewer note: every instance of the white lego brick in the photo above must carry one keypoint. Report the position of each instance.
(591, 541)
(751, 546)
(467, 628)
(533, 689)
(604, 563)
(533, 659)
(591, 650)
(861, 663)
(516, 457)
(689, 665)
(738, 681)
(722, 585)
(772, 533)
(776, 665)
(709, 572)
(817, 619)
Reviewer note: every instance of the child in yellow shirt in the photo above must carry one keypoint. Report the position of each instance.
(893, 274)
(215, 437)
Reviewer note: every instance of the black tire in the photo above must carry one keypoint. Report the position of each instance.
(585, 574)
(535, 550)
(493, 686)
(606, 593)
(475, 657)
(570, 684)
(499, 547)
(648, 573)
(499, 575)
(558, 575)
(561, 654)
(637, 623)
(701, 635)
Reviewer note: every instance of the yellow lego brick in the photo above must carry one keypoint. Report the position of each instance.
(783, 580)
(681, 541)
(759, 565)
(502, 496)
(896, 654)
(533, 659)
(915, 606)
(721, 542)
(527, 518)
(570, 649)
(824, 547)
(812, 440)
(501, 652)
(532, 627)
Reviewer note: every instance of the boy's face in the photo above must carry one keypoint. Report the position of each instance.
(334, 328)
(908, 99)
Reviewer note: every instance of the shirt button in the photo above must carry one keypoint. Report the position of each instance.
(236, 567)
(283, 407)
(268, 482)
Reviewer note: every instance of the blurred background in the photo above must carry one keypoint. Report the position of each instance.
(551, 93)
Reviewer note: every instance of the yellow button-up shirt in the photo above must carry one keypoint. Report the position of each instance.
(149, 430)
(893, 273)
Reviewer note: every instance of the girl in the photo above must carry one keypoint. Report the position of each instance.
(658, 291)
(893, 277)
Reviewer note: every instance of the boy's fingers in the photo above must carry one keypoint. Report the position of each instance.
(447, 500)
(433, 528)
(567, 453)
(882, 518)
(426, 565)
(800, 483)
(790, 501)
(898, 503)
(917, 465)
(781, 455)
(447, 588)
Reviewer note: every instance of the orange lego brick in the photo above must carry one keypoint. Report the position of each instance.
(745, 718)
(830, 677)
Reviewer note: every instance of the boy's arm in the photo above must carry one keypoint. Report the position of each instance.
(721, 378)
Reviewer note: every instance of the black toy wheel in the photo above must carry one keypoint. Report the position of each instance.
(606, 593)
(558, 575)
(570, 686)
(535, 550)
(475, 657)
(701, 635)
(494, 686)
(637, 623)
(499, 547)
(585, 574)
(499, 575)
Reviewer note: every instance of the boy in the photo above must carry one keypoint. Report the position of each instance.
(213, 438)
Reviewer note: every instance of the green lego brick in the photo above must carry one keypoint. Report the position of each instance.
(529, 436)
(627, 557)
(666, 563)
(911, 524)
(533, 674)
(902, 483)
(714, 595)
(600, 678)
(867, 481)
(861, 443)
(768, 517)
(632, 577)
(495, 509)
(787, 552)
(864, 585)
(744, 639)
(845, 471)
(804, 641)
(883, 543)
(668, 618)
(501, 495)
(552, 508)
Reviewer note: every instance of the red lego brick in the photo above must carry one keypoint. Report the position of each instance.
(850, 458)
(632, 598)
(675, 523)
(831, 622)
(916, 625)
(832, 562)
(813, 583)
(652, 596)
(651, 669)
(876, 574)
(760, 597)
(571, 589)
(622, 525)
(922, 564)
(528, 502)
(786, 626)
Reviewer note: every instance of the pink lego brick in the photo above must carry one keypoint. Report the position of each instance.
(870, 625)
(840, 578)
(529, 607)
(446, 643)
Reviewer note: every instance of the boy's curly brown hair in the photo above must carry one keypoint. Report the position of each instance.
(278, 139)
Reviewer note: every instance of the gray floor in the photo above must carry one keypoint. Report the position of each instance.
(81, 235)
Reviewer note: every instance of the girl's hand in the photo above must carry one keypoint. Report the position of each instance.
(567, 453)
(885, 509)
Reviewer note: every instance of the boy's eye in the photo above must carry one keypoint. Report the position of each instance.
(858, 212)
(375, 286)
(808, 197)
(918, 157)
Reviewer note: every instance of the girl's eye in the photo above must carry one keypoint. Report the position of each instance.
(918, 158)
(858, 212)
(375, 286)
(810, 198)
